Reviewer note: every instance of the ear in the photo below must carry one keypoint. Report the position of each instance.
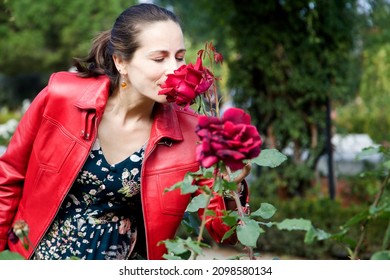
(119, 64)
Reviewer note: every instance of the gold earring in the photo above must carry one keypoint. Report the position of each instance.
(123, 83)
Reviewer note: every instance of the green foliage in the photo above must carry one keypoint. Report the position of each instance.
(248, 233)
(354, 231)
(381, 255)
(54, 30)
(8, 255)
(180, 249)
(292, 56)
(310, 235)
(41, 37)
(245, 226)
(368, 112)
(326, 217)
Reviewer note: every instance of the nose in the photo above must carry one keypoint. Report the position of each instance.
(172, 65)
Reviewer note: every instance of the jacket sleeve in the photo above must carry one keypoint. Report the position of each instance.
(214, 223)
(14, 163)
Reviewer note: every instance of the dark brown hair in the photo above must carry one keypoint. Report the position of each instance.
(121, 40)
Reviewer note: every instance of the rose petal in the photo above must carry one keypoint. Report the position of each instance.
(236, 115)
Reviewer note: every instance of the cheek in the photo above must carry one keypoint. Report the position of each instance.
(157, 75)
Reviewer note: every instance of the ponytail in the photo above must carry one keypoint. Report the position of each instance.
(99, 60)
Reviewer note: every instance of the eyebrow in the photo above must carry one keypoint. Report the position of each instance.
(166, 52)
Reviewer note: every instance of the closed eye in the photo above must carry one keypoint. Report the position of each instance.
(158, 59)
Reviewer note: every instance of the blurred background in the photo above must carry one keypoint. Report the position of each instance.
(313, 74)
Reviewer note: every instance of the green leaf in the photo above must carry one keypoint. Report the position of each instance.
(310, 236)
(191, 222)
(322, 235)
(8, 255)
(234, 174)
(228, 233)
(314, 233)
(268, 225)
(210, 212)
(265, 211)
(199, 201)
(203, 173)
(193, 245)
(381, 255)
(208, 173)
(369, 151)
(230, 220)
(171, 257)
(232, 186)
(217, 185)
(269, 158)
(187, 185)
(357, 219)
(294, 224)
(248, 233)
(174, 187)
(175, 246)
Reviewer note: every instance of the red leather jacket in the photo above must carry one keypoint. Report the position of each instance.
(52, 143)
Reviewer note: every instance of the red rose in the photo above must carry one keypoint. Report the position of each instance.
(230, 139)
(186, 83)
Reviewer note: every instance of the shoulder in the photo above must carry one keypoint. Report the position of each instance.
(70, 84)
(64, 77)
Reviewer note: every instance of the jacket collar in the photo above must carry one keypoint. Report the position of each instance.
(165, 125)
(94, 96)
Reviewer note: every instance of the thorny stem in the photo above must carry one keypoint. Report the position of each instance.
(364, 225)
(202, 226)
(214, 95)
(237, 200)
(241, 213)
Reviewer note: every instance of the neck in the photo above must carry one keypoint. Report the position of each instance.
(126, 109)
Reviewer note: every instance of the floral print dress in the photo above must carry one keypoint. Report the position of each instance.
(98, 218)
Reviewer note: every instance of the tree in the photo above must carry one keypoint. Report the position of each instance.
(368, 113)
(40, 37)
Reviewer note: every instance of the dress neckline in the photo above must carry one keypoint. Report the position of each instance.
(97, 146)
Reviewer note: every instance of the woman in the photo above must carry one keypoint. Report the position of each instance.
(89, 162)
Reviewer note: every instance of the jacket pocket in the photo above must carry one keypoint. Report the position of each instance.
(52, 145)
(173, 202)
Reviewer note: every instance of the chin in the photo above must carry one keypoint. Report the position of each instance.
(161, 100)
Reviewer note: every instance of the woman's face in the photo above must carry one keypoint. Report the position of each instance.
(161, 51)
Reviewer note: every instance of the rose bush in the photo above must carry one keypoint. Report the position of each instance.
(230, 139)
(227, 143)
